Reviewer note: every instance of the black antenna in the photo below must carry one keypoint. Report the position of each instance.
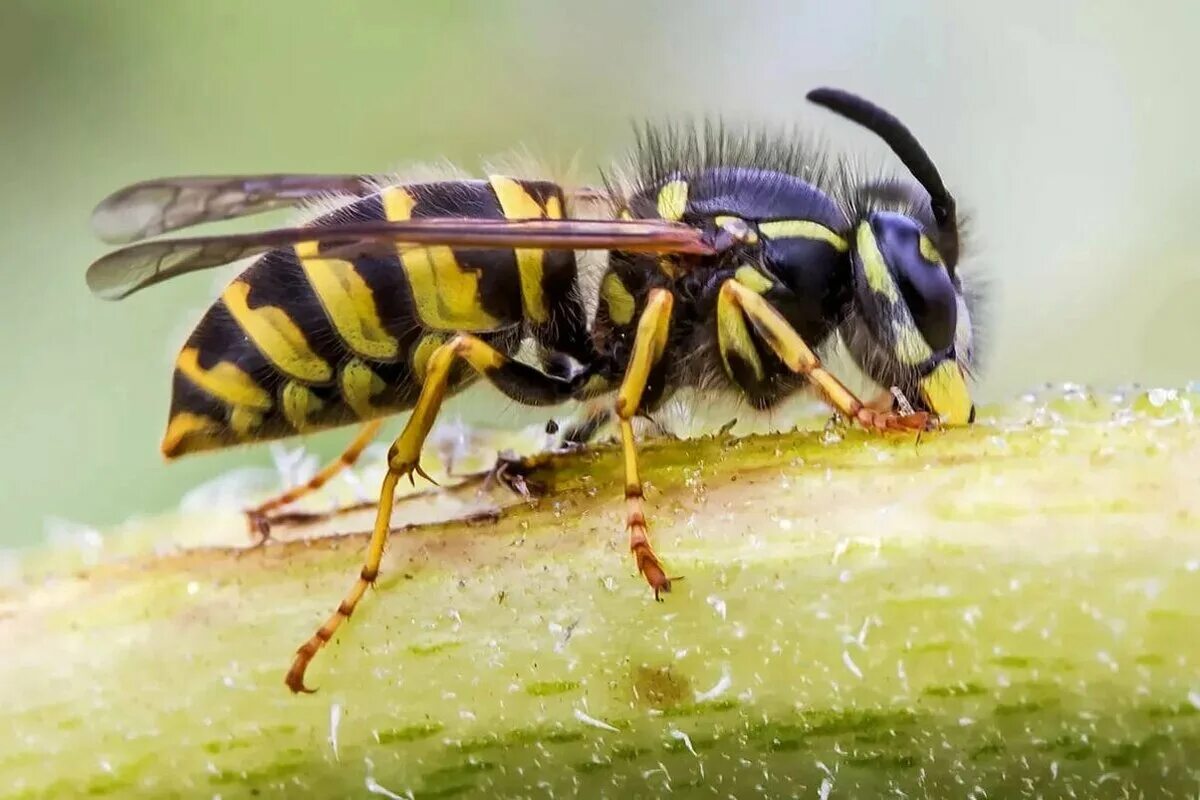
(908, 150)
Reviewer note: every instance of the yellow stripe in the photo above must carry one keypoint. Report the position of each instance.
(672, 200)
(736, 227)
(446, 295)
(422, 352)
(517, 203)
(244, 421)
(276, 336)
(733, 336)
(225, 381)
(299, 403)
(359, 384)
(349, 302)
(928, 251)
(911, 347)
(620, 302)
(753, 280)
(186, 425)
(802, 229)
(878, 276)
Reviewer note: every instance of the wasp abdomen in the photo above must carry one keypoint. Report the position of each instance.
(302, 340)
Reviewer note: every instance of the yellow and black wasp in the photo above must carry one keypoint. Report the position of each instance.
(730, 258)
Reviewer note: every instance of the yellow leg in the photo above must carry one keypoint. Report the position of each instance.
(257, 516)
(648, 345)
(791, 349)
(404, 458)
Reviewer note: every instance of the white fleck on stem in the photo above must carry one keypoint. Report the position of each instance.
(335, 721)
(850, 665)
(717, 690)
(588, 719)
(679, 735)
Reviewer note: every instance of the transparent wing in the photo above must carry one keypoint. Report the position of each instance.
(130, 269)
(157, 206)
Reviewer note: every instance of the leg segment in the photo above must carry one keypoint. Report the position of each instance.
(791, 349)
(648, 346)
(519, 381)
(583, 430)
(260, 522)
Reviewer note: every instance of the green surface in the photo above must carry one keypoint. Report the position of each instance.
(1008, 610)
(1062, 129)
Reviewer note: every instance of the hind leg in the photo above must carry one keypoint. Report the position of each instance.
(521, 382)
(259, 517)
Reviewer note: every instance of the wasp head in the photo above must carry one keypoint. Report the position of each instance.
(909, 325)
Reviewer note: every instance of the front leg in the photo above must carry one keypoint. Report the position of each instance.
(648, 345)
(781, 337)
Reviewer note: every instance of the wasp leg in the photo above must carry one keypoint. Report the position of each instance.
(260, 522)
(648, 346)
(521, 382)
(791, 349)
(579, 433)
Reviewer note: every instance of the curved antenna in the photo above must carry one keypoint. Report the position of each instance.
(908, 150)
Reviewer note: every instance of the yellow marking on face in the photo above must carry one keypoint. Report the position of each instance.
(185, 426)
(802, 229)
(733, 336)
(911, 347)
(349, 302)
(299, 403)
(226, 382)
(422, 352)
(276, 336)
(736, 227)
(945, 392)
(879, 278)
(553, 207)
(928, 251)
(672, 200)
(620, 302)
(359, 384)
(624, 213)
(244, 421)
(666, 265)
(753, 279)
(517, 203)
(445, 294)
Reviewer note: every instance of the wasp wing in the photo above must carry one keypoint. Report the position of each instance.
(130, 269)
(149, 208)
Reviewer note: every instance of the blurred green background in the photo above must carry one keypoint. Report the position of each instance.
(1068, 131)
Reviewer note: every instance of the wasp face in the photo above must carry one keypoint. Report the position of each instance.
(909, 326)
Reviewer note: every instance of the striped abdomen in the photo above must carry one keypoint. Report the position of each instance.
(297, 343)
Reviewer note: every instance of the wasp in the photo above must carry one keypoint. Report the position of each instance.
(729, 260)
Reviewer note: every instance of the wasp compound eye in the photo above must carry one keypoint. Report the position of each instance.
(923, 284)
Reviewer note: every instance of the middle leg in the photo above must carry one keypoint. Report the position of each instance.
(259, 517)
(648, 345)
